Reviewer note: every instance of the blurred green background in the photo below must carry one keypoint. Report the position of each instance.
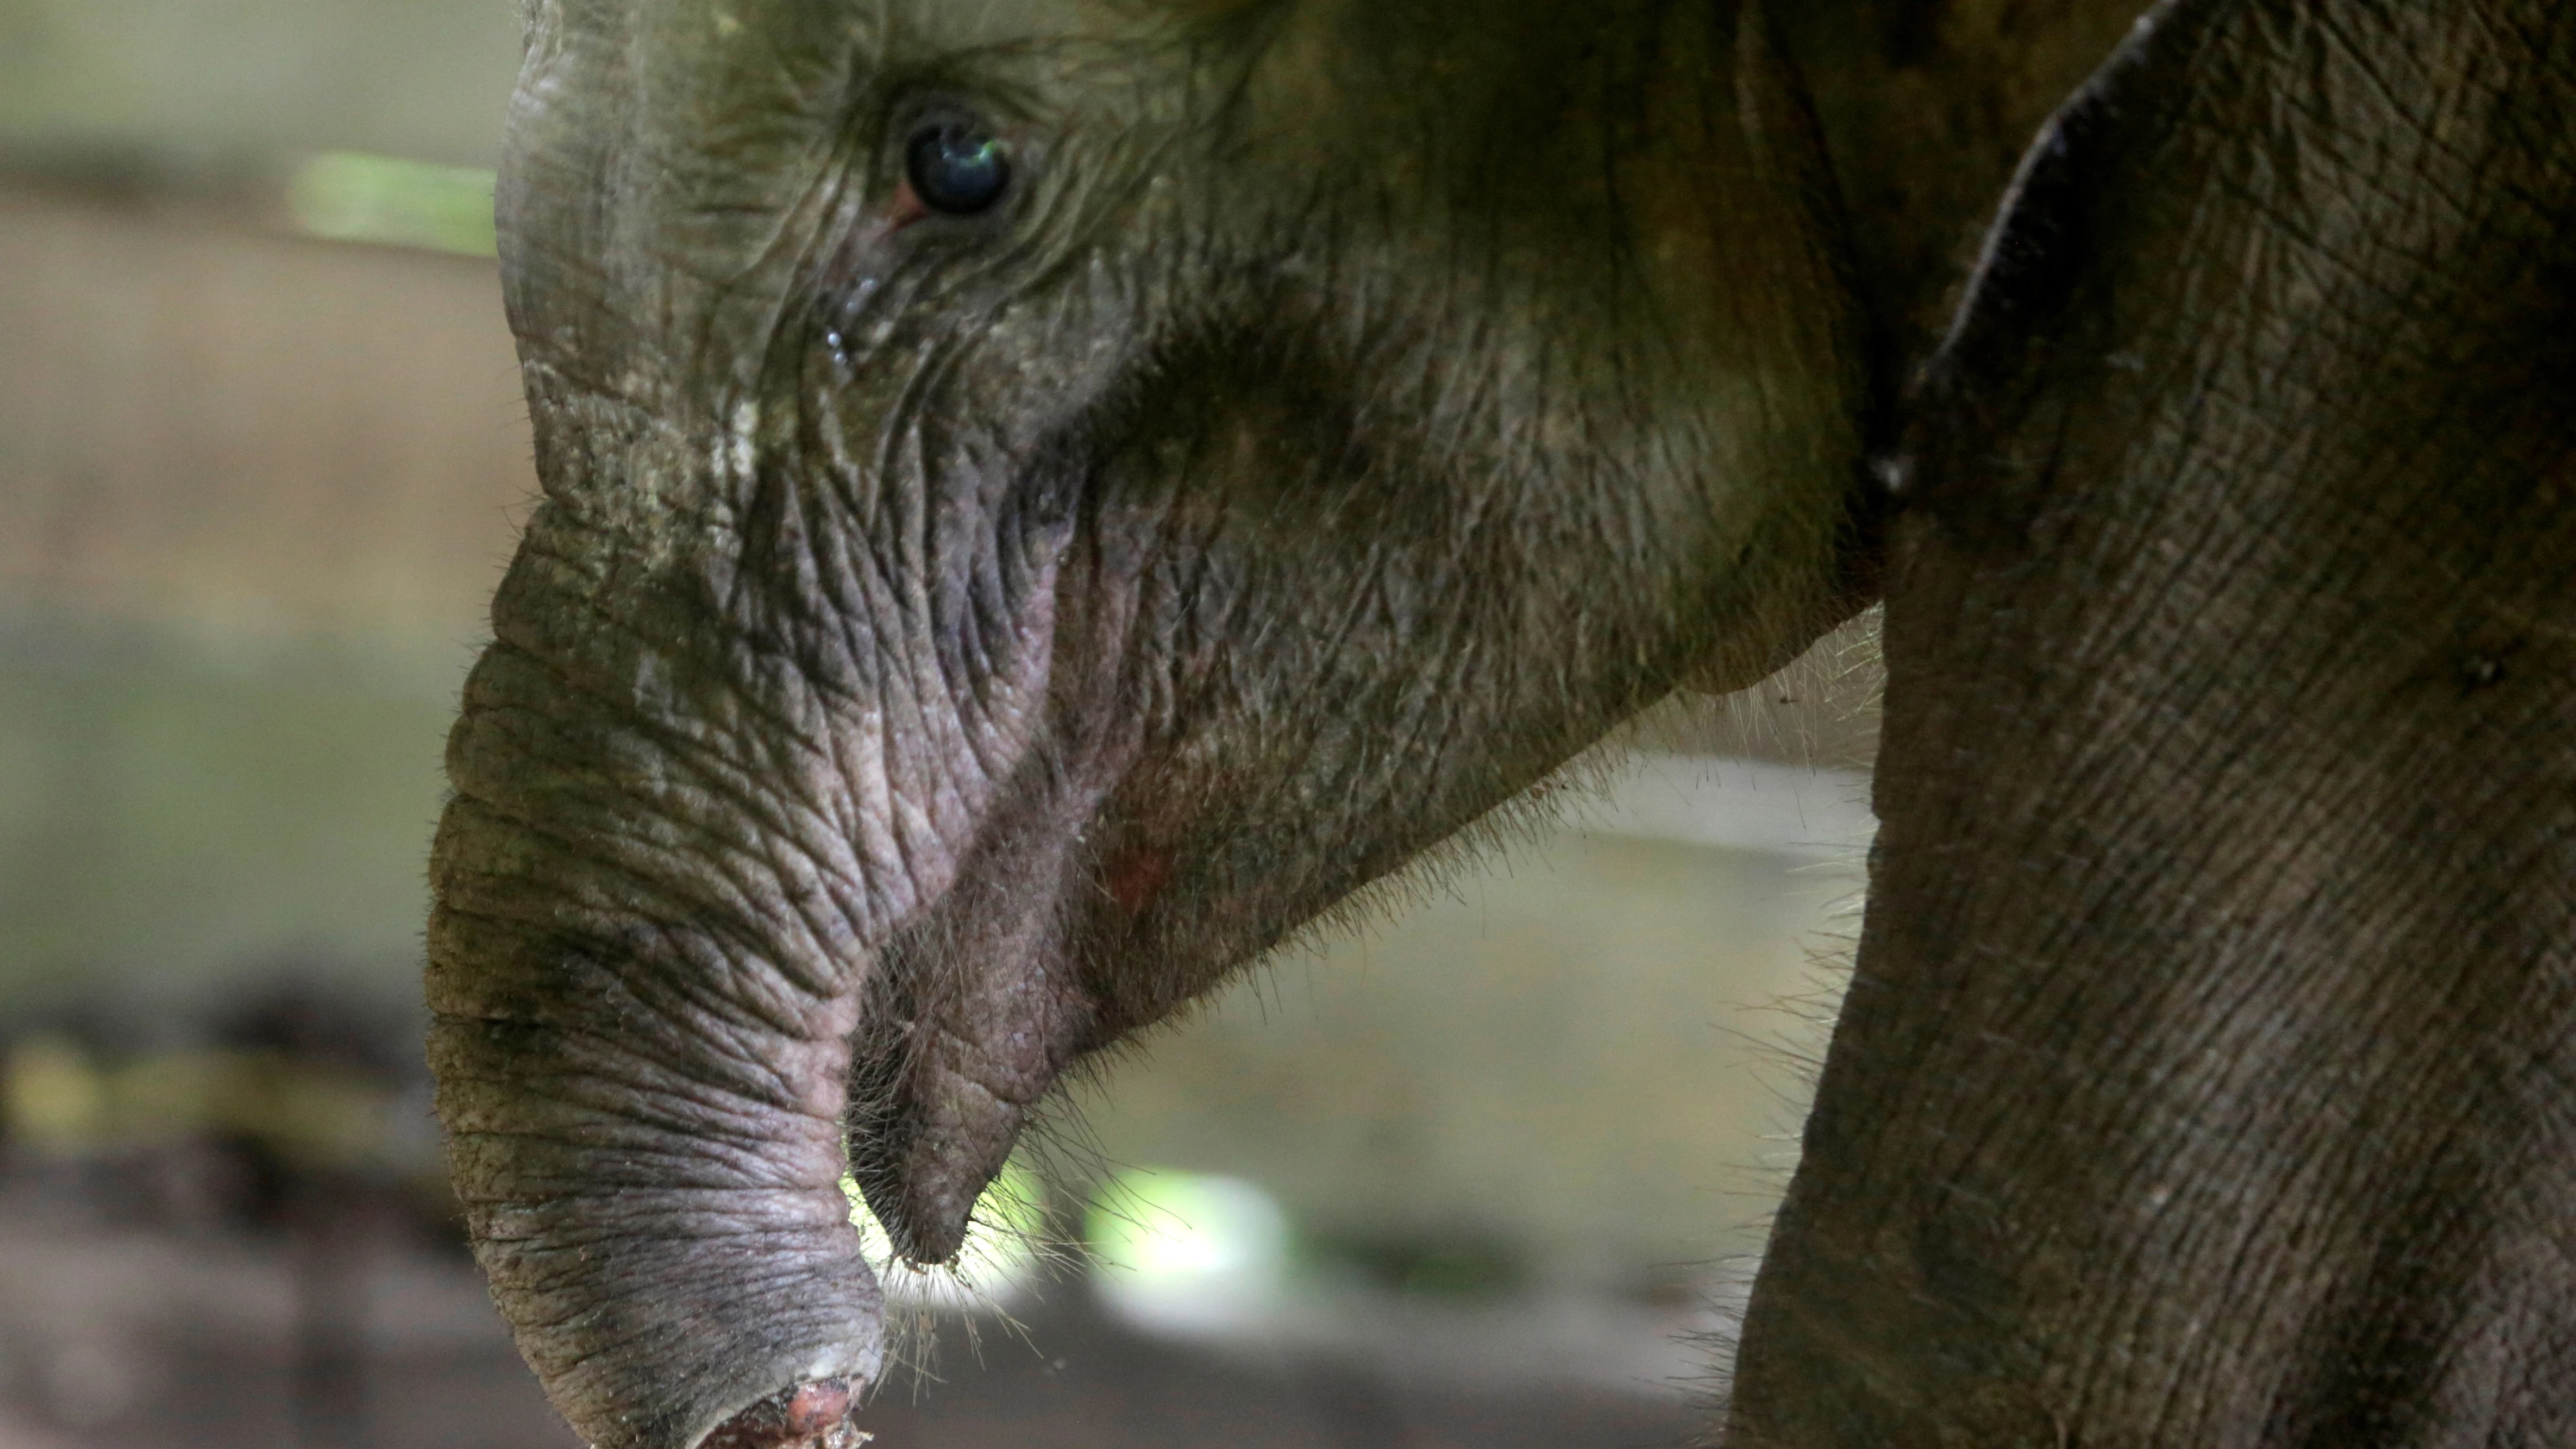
(236, 84)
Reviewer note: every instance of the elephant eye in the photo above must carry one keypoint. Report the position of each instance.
(956, 167)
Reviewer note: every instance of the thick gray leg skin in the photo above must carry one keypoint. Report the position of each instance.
(2203, 1081)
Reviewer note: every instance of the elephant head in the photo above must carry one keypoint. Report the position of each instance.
(1045, 497)
(1041, 500)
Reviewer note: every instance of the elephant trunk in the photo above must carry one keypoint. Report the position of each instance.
(643, 997)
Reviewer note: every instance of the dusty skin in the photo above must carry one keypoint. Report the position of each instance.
(1043, 499)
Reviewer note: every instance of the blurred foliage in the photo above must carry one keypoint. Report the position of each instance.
(187, 84)
(55, 1098)
(349, 196)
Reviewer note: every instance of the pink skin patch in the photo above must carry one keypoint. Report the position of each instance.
(809, 1416)
(906, 209)
(1136, 876)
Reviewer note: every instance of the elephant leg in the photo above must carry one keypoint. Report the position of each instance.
(2205, 1079)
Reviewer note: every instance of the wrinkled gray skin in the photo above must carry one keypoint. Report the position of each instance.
(2206, 1079)
(949, 644)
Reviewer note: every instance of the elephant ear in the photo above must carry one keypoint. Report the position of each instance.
(2206, 1063)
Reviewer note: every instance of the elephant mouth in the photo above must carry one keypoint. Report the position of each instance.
(974, 1010)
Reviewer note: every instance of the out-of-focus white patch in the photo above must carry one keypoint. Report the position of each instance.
(1182, 1254)
(741, 438)
(994, 1270)
(1737, 804)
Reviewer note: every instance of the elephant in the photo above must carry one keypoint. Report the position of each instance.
(1042, 499)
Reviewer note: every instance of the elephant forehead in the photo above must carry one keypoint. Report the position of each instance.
(908, 27)
(697, 106)
(946, 25)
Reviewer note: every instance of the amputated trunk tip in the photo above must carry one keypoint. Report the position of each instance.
(809, 1416)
